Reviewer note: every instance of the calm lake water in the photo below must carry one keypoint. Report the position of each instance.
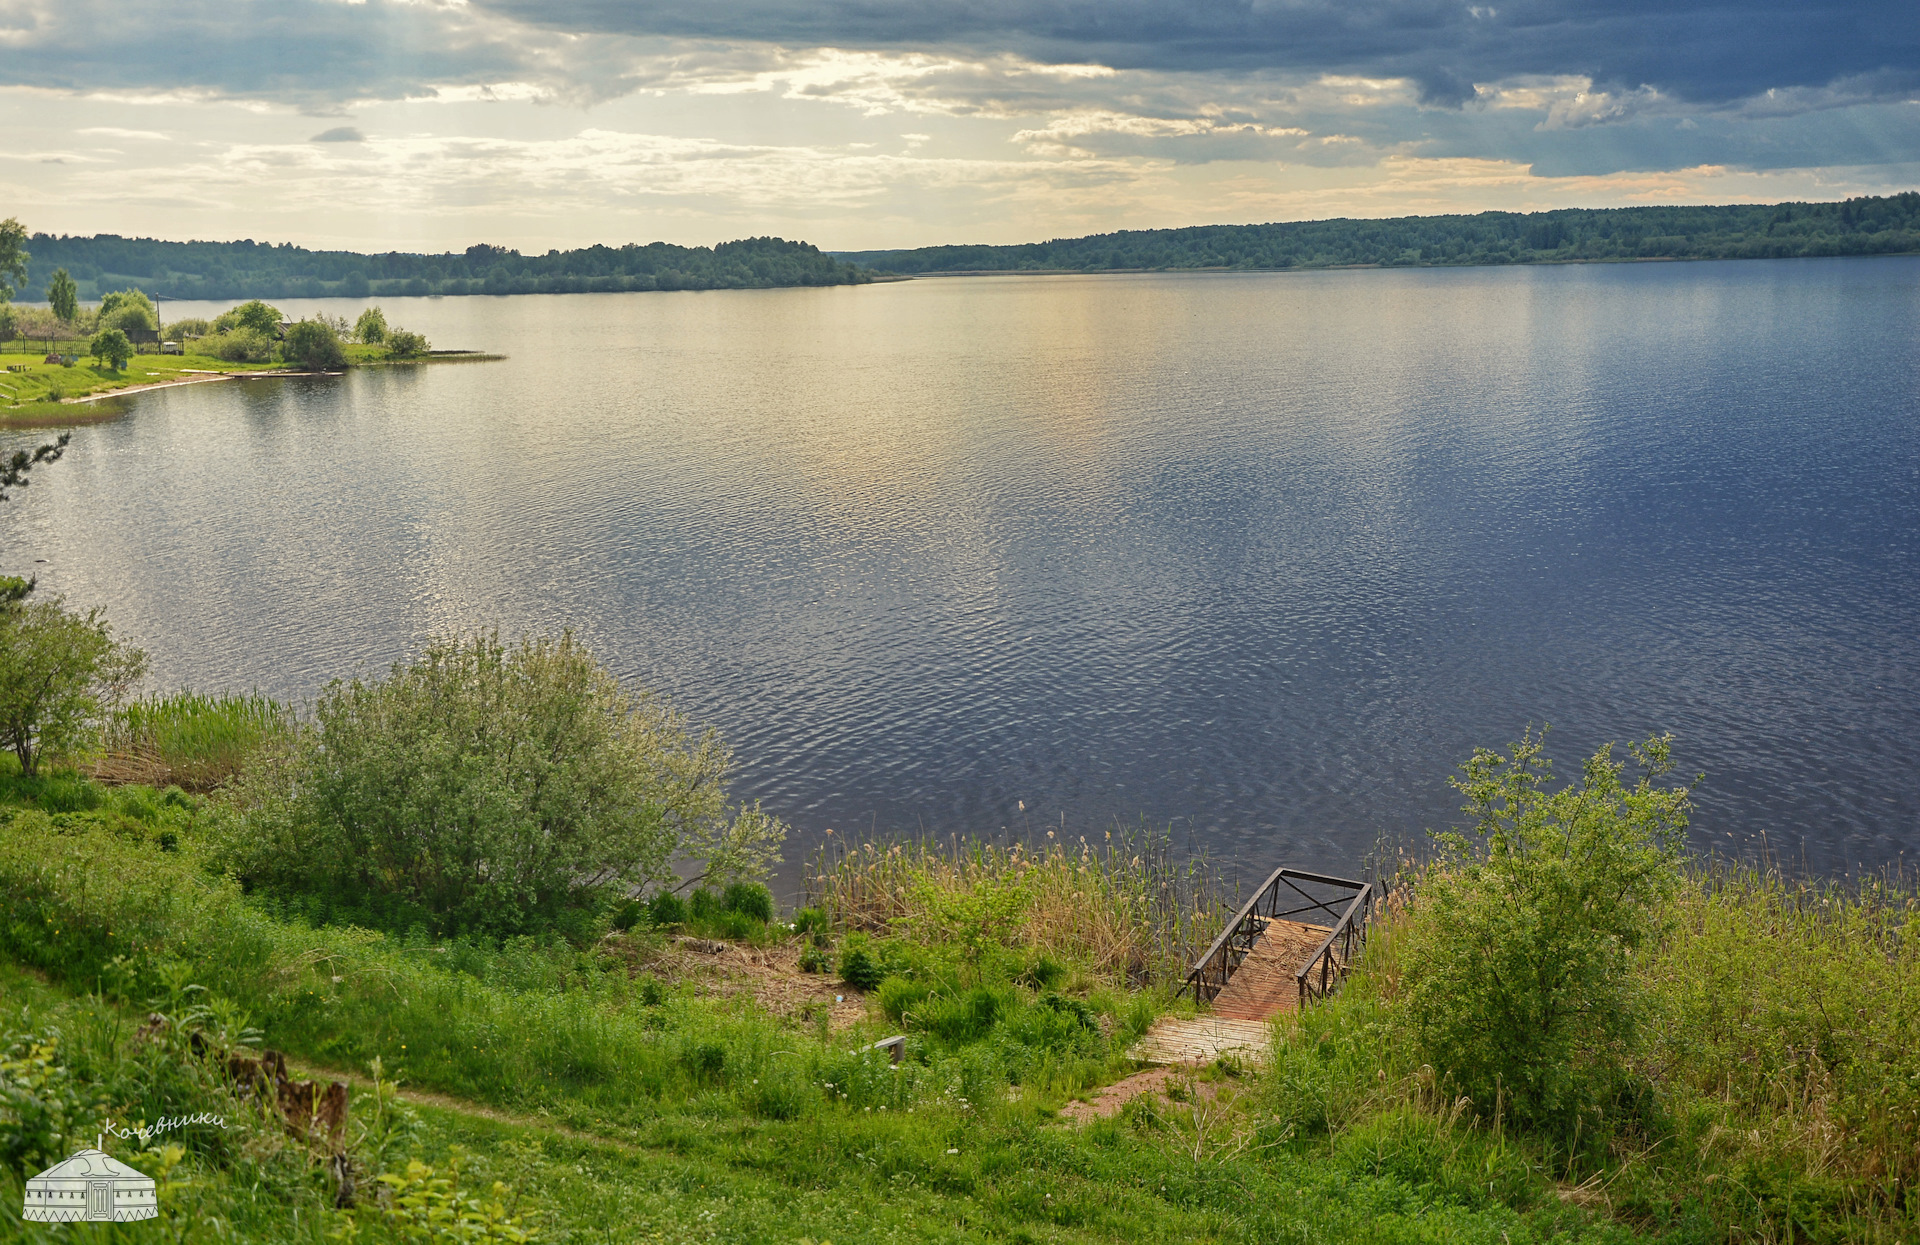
(1261, 555)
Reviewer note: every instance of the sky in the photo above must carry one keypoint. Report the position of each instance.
(857, 124)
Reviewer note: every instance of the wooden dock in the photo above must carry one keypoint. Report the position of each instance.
(1241, 1022)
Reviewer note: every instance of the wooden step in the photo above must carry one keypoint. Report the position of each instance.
(1203, 1039)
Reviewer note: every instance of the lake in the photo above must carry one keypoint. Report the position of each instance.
(1262, 556)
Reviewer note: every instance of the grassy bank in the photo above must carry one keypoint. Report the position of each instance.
(685, 1113)
(675, 1073)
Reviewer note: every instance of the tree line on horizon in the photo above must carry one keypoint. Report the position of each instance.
(249, 269)
(1861, 226)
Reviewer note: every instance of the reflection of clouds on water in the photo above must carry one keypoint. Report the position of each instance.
(1267, 554)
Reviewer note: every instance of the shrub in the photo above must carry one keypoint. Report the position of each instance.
(1518, 962)
(315, 345)
(859, 969)
(402, 344)
(703, 904)
(898, 996)
(489, 789)
(667, 908)
(192, 326)
(112, 348)
(749, 899)
(811, 921)
(241, 345)
(58, 669)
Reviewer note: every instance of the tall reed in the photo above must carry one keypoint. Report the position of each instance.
(1129, 906)
(187, 739)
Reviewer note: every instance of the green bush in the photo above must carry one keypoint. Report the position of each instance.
(111, 347)
(812, 922)
(253, 316)
(371, 328)
(703, 904)
(1518, 967)
(491, 790)
(859, 969)
(898, 997)
(59, 670)
(403, 344)
(749, 899)
(314, 344)
(240, 345)
(667, 908)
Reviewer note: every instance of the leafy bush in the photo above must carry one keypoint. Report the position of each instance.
(703, 904)
(314, 344)
(240, 345)
(859, 969)
(749, 899)
(112, 348)
(191, 326)
(667, 908)
(58, 671)
(491, 789)
(126, 309)
(811, 922)
(403, 344)
(1518, 965)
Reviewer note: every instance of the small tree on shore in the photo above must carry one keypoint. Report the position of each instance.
(58, 671)
(405, 344)
(63, 295)
(112, 347)
(371, 328)
(1518, 969)
(314, 344)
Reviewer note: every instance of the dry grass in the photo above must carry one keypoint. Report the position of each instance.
(1128, 907)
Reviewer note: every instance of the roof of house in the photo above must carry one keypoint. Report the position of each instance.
(90, 1164)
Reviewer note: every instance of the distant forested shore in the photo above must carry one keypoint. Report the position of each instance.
(1864, 226)
(249, 269)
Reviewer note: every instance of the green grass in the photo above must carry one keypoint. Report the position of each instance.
(674, 1116)
(187, 739)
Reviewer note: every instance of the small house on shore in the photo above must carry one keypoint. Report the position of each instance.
(91, 1186)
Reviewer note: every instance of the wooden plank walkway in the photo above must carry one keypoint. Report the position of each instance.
(1241, 1020)
(1263, 986)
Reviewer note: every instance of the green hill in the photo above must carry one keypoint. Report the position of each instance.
(1867, 226)
(249, 269)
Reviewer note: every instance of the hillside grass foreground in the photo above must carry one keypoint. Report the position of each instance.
(578, 1094)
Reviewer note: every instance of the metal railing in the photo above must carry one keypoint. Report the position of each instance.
(1212, 971)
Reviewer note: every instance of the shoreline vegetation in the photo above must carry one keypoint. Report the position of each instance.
(77, 356)
(501, 878)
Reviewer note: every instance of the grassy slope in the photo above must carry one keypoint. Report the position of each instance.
(671, 1143)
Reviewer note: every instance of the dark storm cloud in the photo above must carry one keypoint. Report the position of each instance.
(1703, 52)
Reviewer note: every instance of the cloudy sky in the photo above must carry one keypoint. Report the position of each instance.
(422, 124)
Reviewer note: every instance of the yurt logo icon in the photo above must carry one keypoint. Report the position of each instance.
(91, 1186)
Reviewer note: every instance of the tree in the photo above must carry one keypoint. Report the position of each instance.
(13, 258)
(402, 344)
(1517, 969)
(254, 315)
(127, 309)
(63, 295)
(58, 670)
(112, 348)
(371, 328)
(313, 344)
(492, 789)
(15, 467)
